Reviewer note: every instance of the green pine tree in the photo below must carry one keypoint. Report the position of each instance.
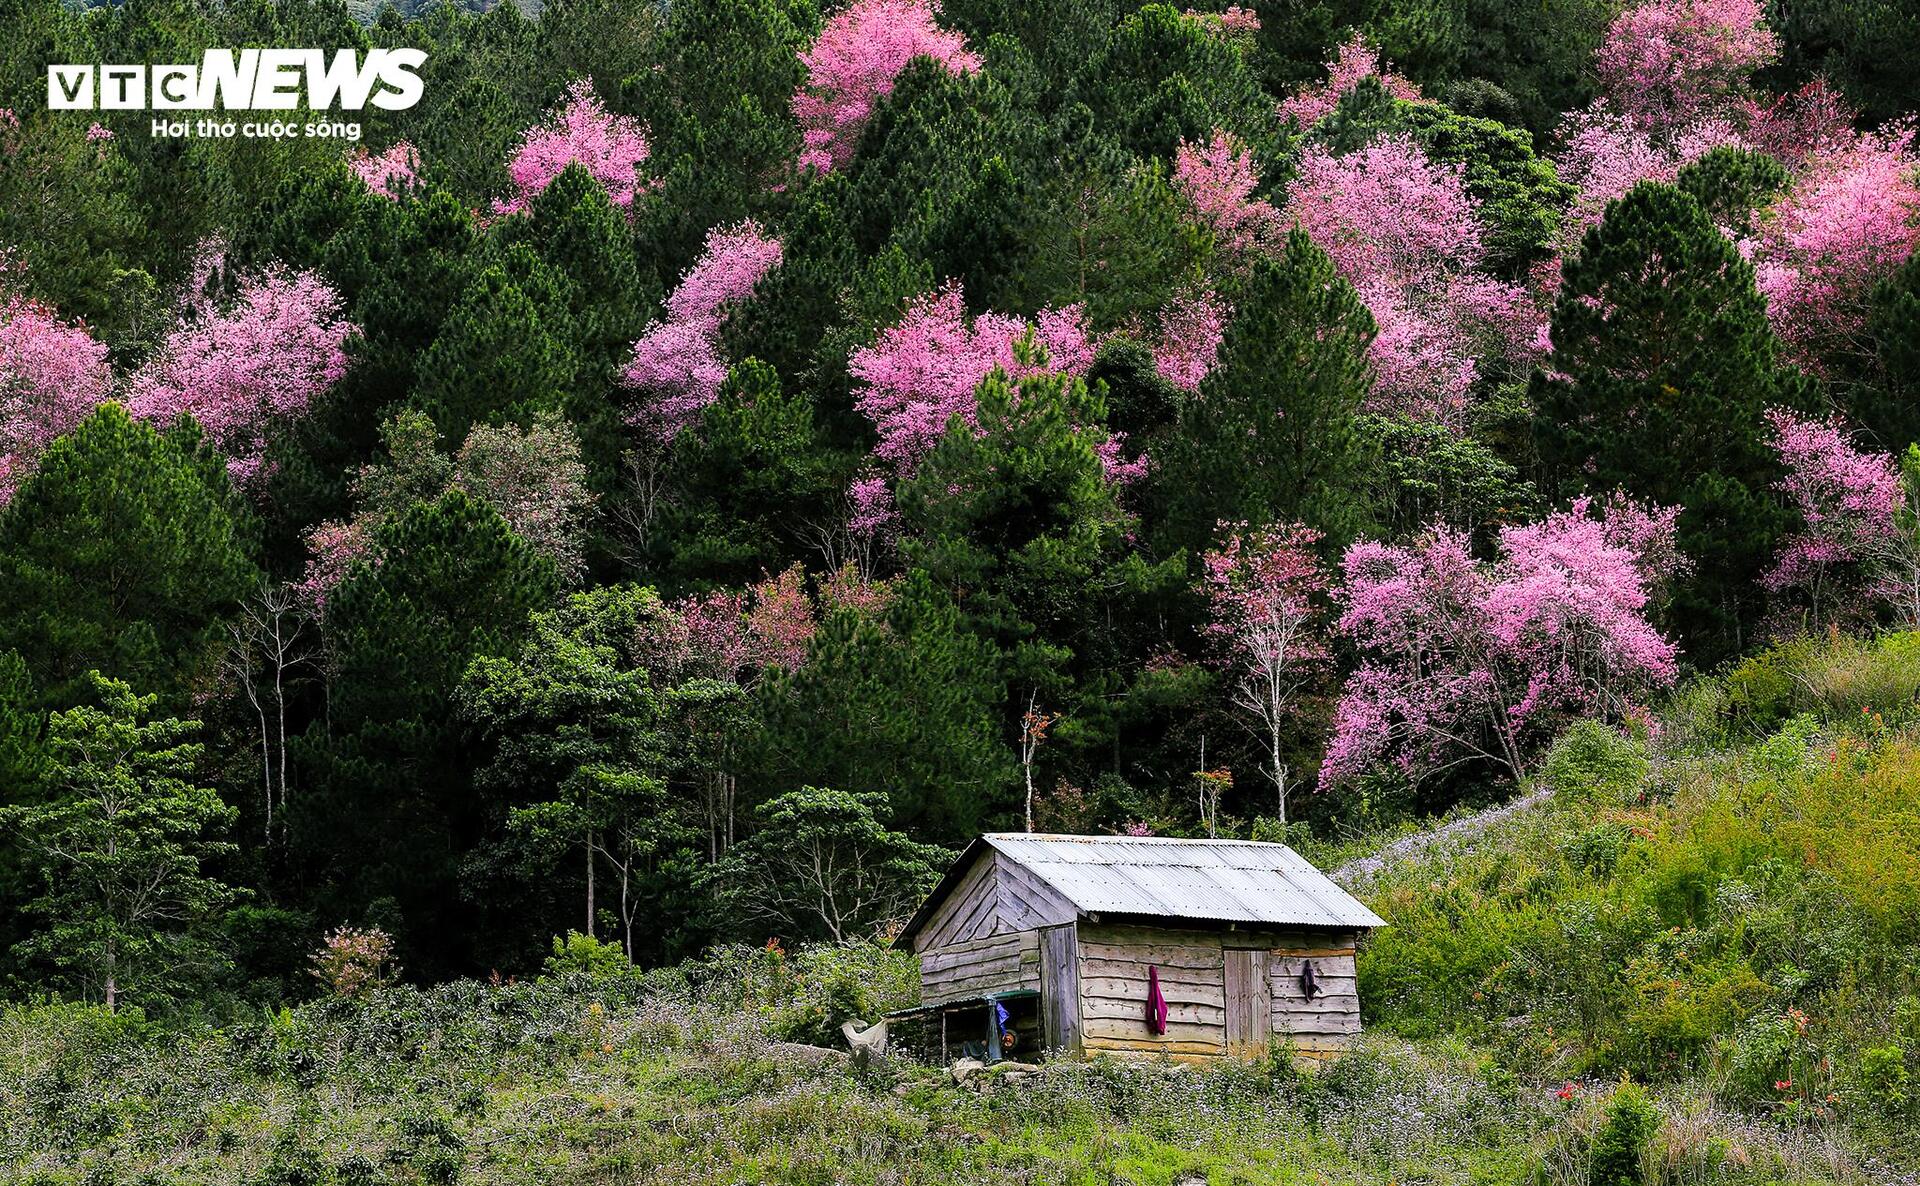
(122, 552)
(496, 360)
(1663, 367)
(1273, 434)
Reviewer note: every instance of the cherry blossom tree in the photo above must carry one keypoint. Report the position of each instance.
(921, 372)
(1407, 234)
(1192, 326)
(1849, 220)
(1859, 543)
(1354, 62)
(53, 373)
(390, 173)
(249, 369)
(853, 64)
(1218, 179)
(1462, 660)
(677, 362)
(581, 131)
(1665, 63)
(1264, 588)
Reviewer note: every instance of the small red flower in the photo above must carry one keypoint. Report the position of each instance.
(1783, 1085)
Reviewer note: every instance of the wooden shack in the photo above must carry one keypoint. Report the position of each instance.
(1055, 942)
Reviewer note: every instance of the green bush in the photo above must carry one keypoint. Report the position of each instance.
(1595, 761)
(1619, 1155)
(575, 954)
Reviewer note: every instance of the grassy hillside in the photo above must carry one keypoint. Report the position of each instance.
(1725, 909)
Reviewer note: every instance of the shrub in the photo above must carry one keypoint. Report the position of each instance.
(576, 954)
(1595, 761)
(1619, 1155)
(352, 962)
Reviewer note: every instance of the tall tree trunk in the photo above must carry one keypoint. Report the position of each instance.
(589, 931)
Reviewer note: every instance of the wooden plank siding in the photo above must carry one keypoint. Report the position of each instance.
(971, 912)
(1060, 986)
(1114, 960)
(979, 966)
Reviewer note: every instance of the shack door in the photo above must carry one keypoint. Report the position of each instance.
(1249, 996)
(1060, 987)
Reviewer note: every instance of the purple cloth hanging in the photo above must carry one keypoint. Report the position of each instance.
(1156, 1004)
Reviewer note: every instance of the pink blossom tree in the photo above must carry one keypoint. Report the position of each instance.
(1463, 660)
(677, 362)
(52, 375)
(1848, 221)
(1354, 62)
(1666, 63)
(1218, 179)
(922, 373)
(1192, 326)
(853, 64)
(1264, 588)
(1859, 543)
(390, 173)
(1407, 234)
(249, 369)
(582, 131)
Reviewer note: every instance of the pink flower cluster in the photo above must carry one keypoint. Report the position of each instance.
(1217, 179)
(1262, 587)
(52, 375)
(1666, 63)
(853, 64)
(1407, 234)
(1853, 504)
(1354, 62)
(390, 173)
(677, 362)
(1848, 221)
(922, 372)
(1192, 326)
(248, 370)
(1465, 660)
(610, 147)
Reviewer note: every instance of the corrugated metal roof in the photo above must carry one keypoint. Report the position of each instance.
(1219, 880)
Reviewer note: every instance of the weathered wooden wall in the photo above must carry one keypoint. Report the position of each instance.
(975, 967)
(1192, 964)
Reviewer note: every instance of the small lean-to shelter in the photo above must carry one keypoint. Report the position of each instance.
(1192, 948)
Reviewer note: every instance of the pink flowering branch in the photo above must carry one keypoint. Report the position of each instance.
(1353, 63)
(1192, 326)
(1218, 179)
(852, 65)
(390, 173)
(677, 362)
(582, 131)
(1859, 541)
(1407, 234)
(1666, 63)
(247, 371)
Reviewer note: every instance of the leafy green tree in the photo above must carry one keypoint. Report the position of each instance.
(579, 763)
(908, 707)
(1274, 433)
(823, 865)
(123, 552)
(122, 842)
(1663, 368)
(393, 811)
